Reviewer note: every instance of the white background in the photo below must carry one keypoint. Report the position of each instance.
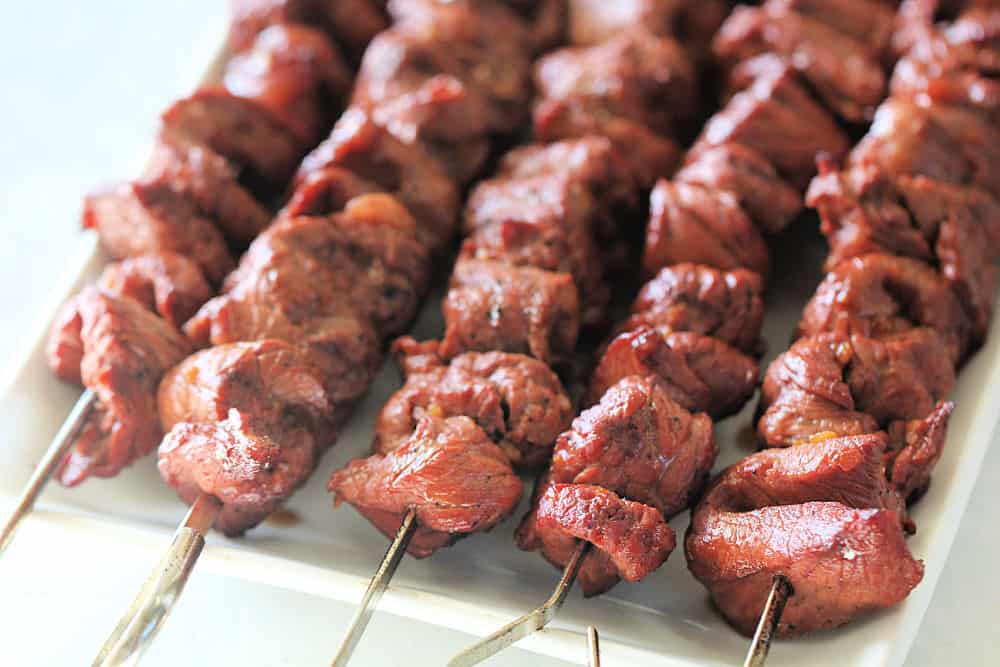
(81, 84)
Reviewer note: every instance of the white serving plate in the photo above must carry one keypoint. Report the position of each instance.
(484, 581)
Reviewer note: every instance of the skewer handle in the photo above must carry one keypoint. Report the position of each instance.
(47, 466)
(376, 587)
(147, 613)
(770, 616)
(530, 622)
(593, 647)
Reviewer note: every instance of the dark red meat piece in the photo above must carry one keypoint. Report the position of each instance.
(448, 471)
(165, 283)
(115, 347)
(494, 306)
(515, 399)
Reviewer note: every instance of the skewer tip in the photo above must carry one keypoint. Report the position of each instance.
(593, 647)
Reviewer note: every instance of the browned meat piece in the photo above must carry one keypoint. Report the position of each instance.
(850, 386)
(482, 45)
(878, 295)
(342, 341)
(210, 181)
(639, 444)
(118, 349)
(954, 65)
(248, 471)
(547, 222)
(271, 383)
(956, 226)
(916, 448)
(777, 119)
(769, 201)
(635, 75)
(597, 573)
(368, 150)
(516, 400)
(364, 260)
(699, 373)
(595, 21)
(326, 191)
(295, 73)
(726, 305)
(843, 563)
(351, 24)
(141, 218)
(493, 306)
(246, 424)
(632, 536)
(821, 515)
(403, 84)
(836, 45)
(691, 223)
(166, 283)
(448, 471)
(592, 160)
(950, 145)
(264, 149)
(633, 89)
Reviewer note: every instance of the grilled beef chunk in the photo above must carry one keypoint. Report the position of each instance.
(699, 373)
(848, 556)
(633, 89)
(591, 160)
(777, 119)
(115, 347)
(546, 222)
(350, 24)
(406, 170)
(326, 191)
(691, 223)
(142, 218)
(241, 130)
(448, 471)
(494, 306)
(210, 181)
(165, 283)
(878, 295)
(726, 305)
(294, 72)
(915, 448)
(483, 45)
(769, 201)
(640, 444)
(836, 45)
(366, 257)
(631, 540)
(246, 424)
(516, 400)
(830, 383)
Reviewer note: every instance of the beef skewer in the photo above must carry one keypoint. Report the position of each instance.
(415, 129)
(895, 425)
(706, 222)
(173, 228)
(525, 271)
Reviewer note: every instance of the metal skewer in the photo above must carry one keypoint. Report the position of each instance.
(155, 600)
(593, 647)
(376, 587)
(530, 622)
(43, 472)
(770, 616)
